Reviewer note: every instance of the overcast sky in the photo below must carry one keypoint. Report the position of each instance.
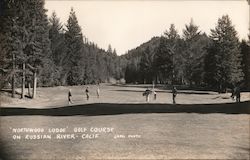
(126, 24)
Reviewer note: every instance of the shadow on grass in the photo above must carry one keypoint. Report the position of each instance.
(167, 91)
(166, 87)
(114, 109)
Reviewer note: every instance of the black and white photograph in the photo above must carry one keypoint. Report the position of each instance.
(124, 79)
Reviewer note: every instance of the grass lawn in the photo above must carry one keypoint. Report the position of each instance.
(150, 133)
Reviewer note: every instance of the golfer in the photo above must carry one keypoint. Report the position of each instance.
(87, 93)
(146, 93)
(174, 91)
(237, 94)
(154, 94)
(69, 97)
(98, 91)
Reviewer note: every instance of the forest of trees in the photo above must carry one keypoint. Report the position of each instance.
(32, 43)
(217, 61)
(35, 45)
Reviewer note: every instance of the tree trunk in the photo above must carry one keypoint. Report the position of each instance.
(29, 88)
(34, 85)
(13, 77)
(23, 81)
(13, 86)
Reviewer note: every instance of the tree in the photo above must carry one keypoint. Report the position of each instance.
(110, 61)
(57, 46)
(26, 32)
(164, 57)
(109, 50)
(11, 42)
(172, 34)
(131, 73)
(227, 57)
(163, 62)
(245, 51)
(114, 52)
(72, 61)
(146, 66)
(40, 58)
(173, 40)
(191, 31)
(193, 54)
(57, 39)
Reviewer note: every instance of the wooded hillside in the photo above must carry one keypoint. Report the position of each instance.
(217, 61)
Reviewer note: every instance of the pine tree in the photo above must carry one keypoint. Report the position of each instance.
(41, 45)
(191, 31)
(173, 40)
(209, 66)
(74, 57)
(227, 56)
(165, 54)
(172, 34)
(131, 73)
(194, 53)
(57, 39)
(109, 50)
(11, 42)
(146, 66)
(57, 47)
(163, 62)
(114, 52)
(245, 51)
(26, 32)
(110, 60)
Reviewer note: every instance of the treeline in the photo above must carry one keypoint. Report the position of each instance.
(216, 61)
(79, 61)
(30, 42)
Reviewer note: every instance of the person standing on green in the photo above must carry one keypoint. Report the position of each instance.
(155, 94)
(98, 91)
(87, 93)
(69, 97)
(174, 92)
(237, 94)
(146, 93)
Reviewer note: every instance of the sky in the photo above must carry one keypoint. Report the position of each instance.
(125, 24)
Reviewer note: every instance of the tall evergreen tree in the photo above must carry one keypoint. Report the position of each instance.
(227, 56)
(194, 54)
(73, 60)
(57, 39)
(40, 47)
(109, 50)
(163, 62)
(110, 60)
(190, 31)
(146, 66)
(57, 47)
(165, 54)
(172, 42)
(12, 41)
(26, 29)
(245, 51)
